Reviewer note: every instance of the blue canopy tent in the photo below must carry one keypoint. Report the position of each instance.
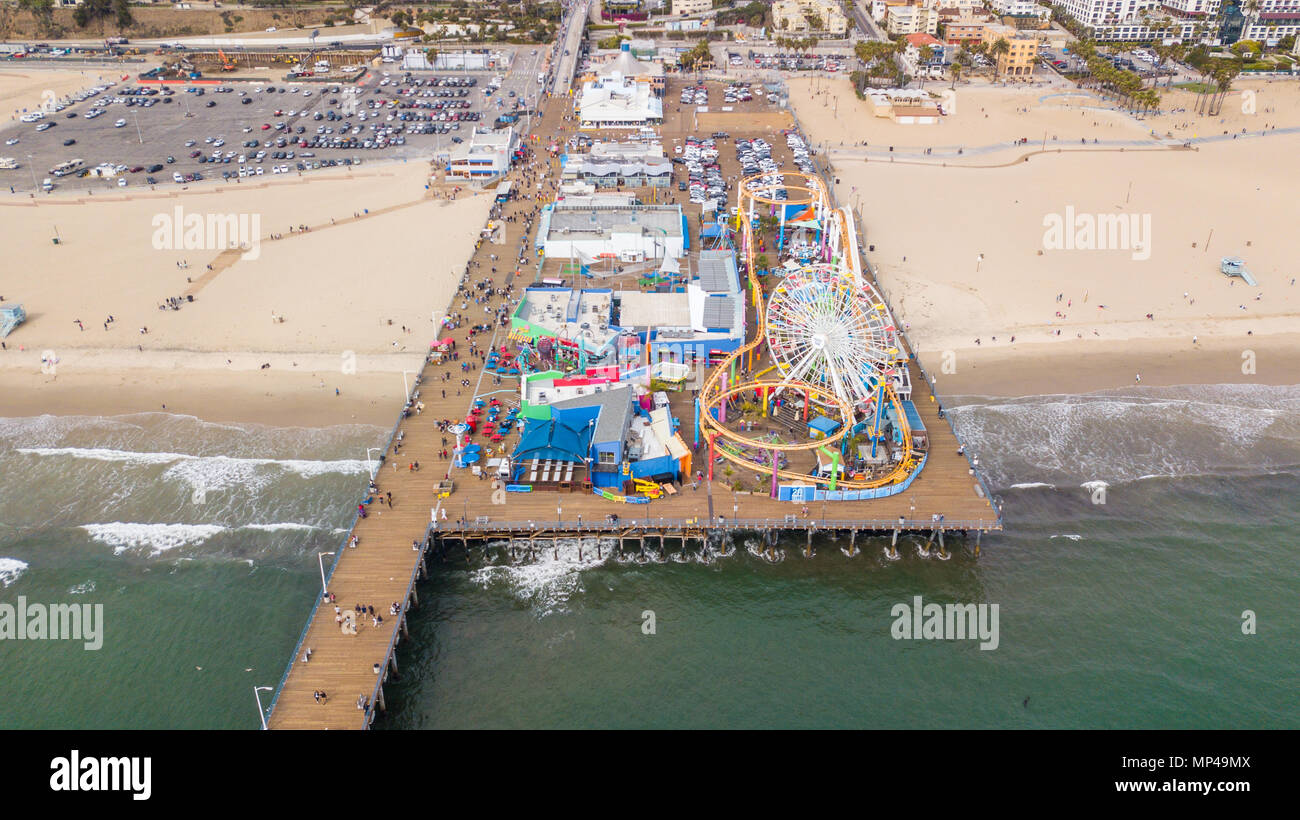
(552, 447)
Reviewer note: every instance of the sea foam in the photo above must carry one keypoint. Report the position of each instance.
(11, 569)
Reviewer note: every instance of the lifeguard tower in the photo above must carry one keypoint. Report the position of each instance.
(1236, 266)
(11, 316)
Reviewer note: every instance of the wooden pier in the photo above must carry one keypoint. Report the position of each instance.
(397, 544)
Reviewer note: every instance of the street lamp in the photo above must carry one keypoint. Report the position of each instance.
(404, 383)
(320, 559)
(261, 713)
(374, 468)
(32, 167)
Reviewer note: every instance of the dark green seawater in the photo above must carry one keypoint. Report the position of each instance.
(1120, 614)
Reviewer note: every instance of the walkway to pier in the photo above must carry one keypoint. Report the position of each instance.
(383, 567)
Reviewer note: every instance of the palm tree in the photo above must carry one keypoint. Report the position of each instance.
(955, 71)
(998, 49)
(924, 54)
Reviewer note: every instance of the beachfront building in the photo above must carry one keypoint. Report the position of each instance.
(620, 164)
(1023, 8)
(618, 102)
(484, 155)
(803, 16)
(1186, 21)
(912, 53)
(911, 17)
(965, 25)
(1022, 54)
(624, 64)
(905, 106)
(591, 233)
(623, 10)
(1272, 20)
(684, 7)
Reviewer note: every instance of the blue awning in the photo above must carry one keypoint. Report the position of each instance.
(823, 425)
(549, 439)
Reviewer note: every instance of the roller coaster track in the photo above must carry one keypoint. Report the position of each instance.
(714, 394)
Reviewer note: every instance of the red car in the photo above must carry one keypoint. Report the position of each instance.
(266, 126)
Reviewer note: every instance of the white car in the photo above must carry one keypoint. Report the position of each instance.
(284, 169)
(43, 126)
(32, 116)
(120, 124)
(259, 171)
(11, 141)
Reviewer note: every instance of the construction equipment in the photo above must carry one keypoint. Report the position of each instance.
(226, 65)
(649, 489)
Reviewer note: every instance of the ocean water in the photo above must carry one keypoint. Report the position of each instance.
(1141, 525)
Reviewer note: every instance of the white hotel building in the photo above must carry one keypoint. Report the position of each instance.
(1184, 20)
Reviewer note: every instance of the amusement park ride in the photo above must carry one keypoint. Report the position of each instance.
(831, 347)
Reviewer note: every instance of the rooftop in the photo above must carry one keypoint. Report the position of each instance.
(585, 222)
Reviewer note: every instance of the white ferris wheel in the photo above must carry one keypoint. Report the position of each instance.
(833, 333)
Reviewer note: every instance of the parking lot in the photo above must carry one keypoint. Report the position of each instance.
(201, 131)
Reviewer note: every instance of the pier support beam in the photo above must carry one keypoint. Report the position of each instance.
(853, 544)
(775, 456)
(977, 542)
(943, 552)
(383, 707)
(808, 550)
(892, 552)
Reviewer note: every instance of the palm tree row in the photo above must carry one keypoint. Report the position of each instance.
(1126, 86)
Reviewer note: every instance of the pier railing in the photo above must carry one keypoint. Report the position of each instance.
(397, 630)
(561, 528)
(338, 556)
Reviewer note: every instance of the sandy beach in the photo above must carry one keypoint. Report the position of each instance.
(999, 291)
(26, 90)
(356, 293)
